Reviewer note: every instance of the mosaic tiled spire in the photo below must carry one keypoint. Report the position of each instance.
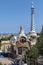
(32, 17)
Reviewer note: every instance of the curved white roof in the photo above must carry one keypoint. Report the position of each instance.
(33, 33)
(33, 43)
(13, 40)
(22, 34)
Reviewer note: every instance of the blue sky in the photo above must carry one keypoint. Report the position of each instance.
(16, 13)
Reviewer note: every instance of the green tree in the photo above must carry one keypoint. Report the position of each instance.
(0, 63)
(41, 39)
(34, 52)
(40, 42)
(6, 38)
(10, 37)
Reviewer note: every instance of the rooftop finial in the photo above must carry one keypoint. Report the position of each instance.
(21, 29)
(32, 4)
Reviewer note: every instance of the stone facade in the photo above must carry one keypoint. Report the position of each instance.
(6, 46)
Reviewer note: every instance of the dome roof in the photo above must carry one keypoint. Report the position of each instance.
(33, 33)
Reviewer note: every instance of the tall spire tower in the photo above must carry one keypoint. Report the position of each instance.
(32, 31)
(32, 17)
(33, 34)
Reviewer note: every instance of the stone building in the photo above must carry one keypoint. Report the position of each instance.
(19, 44)
(6, 46)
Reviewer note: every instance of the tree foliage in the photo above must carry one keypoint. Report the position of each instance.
(0, 63)
(6, 38)
(34, 52)
(40, 40)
